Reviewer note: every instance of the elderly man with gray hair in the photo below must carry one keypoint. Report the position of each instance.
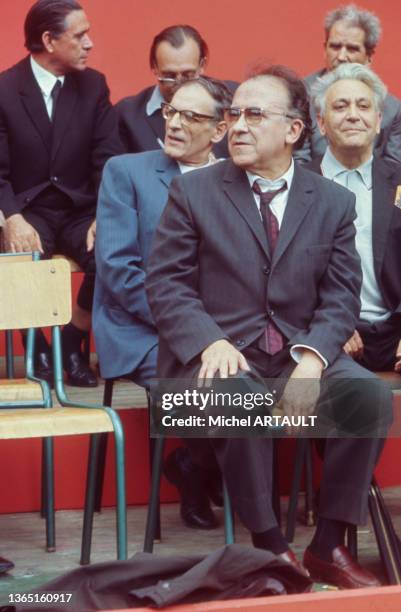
(351, 36)
(349, 103)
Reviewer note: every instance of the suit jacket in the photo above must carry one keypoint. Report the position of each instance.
(69, 154)
(140, 132)
(388, 142)
(210, 275)
(386, 229)
(132, 196)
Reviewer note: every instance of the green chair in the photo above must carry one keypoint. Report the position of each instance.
(38, 294)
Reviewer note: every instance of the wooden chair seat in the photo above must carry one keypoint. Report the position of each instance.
(42, 422)
(20, 389)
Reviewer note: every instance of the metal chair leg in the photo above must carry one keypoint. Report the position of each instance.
(295, 487)
(154, 496)
(49, 484)
(89, 499)
(10, 372)
(276, 484)
(309, 501)
(43, 485)
(228, 518)
(352, 541)
(158, 534)
(102, 452)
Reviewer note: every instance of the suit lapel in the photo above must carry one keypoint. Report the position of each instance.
(237, 188)
(157, 124)
(300, 199)
(64, 110)
(166, 169)
(33, 102)
(382, 201)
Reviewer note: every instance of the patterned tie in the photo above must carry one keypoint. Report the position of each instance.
(55, 92)
(272, 340)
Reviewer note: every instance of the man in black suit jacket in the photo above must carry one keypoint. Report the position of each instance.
(57, 129)
(177, 53)
(351, 35)
(228, 295)
(349, 103)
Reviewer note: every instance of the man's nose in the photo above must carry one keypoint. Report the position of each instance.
(342, 54)
(87, 43)
(175, 121)
(240, 125)
(353, 113)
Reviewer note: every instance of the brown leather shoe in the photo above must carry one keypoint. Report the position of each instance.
(343, 572)
(289, 557)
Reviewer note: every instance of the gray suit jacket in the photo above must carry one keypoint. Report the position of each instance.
(388, 142)
(210, 275)
(132, 196)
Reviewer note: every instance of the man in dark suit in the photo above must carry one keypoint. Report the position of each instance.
(57, 129)
(177, 53)
(235, 284)
(132, 197)
(349, 102)
(352, 35)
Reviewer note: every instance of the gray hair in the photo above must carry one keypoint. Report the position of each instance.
(356, 72)
(357, 17)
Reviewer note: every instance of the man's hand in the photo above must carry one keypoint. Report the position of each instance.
(300, 398)
(222, 357)
(397, 367)
(354, 346)
(20, 236)
(91, 236)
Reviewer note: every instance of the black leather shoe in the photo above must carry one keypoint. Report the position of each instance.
(5, 565)
(195, 507)
(78, 372)
(43, 368)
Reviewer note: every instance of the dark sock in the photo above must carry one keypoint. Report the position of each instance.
(328, 535)
(41, 344)
(272, 540)
(72, 339)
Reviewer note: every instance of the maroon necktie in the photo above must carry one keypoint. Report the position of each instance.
(272, 340)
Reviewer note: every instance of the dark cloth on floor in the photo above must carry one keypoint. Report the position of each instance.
(230, 572)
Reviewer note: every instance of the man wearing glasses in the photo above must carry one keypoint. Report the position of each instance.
(254, 269)
(133, 194)
(177, 53)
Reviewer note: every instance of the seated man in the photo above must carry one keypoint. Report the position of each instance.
(349, 103)
(235, 284)
(132, 197)
(57, 129)
(351, 36)
(177, 53)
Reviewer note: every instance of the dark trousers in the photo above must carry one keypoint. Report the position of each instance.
(62, 229)
(380, 343)
(246, 463)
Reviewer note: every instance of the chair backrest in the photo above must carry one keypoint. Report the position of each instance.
(35, 294)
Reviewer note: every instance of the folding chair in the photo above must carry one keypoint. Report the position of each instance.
(38, 294)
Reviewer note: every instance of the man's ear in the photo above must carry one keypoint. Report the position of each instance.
(295, 130)
(220, 131)
(379, 123)
(47, 41)
(320, 122)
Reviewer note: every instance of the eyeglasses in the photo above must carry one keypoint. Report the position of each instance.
(188, 76)
(253, 115)
(187, 117)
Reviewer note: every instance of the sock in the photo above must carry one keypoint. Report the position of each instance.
(41, 344)
(72, 339)
(328, 535)
(272, 540)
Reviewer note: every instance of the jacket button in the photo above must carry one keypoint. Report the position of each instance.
(27, 200)
(240, 342)
(54, 179)
(271, 313)
(266, 270)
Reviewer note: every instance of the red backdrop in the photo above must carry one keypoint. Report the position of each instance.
(288, 32)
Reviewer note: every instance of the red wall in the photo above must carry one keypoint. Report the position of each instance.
(238, 33)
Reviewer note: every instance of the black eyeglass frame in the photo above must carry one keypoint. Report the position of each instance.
(264, 113)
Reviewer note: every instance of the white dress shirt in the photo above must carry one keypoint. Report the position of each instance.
(46, 81)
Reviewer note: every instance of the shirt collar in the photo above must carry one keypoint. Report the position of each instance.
(155, 102)
(268, 184)
(332, 168)
(45, 79)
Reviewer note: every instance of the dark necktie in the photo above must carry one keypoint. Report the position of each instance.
(272, 340)
(55, 92)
